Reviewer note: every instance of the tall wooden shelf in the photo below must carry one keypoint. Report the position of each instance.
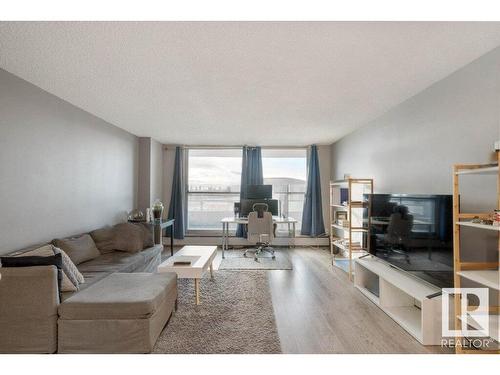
(356, 228)
(485, 274)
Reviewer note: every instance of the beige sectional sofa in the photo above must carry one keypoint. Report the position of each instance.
(120, 308)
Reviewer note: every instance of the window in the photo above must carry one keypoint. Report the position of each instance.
(214, 177)
(286, 170)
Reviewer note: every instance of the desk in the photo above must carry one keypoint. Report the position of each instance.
(243, 220)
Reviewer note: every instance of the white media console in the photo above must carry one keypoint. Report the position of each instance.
(414, 304)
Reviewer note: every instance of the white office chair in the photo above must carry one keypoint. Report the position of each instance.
(260, 230)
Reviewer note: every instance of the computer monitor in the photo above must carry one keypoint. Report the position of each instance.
(246, 206)
(259, 192)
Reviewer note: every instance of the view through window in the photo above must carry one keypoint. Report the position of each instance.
(214, 177)
(286, 170)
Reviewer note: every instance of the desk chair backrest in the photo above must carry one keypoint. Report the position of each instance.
(400, 226)
(260, 229)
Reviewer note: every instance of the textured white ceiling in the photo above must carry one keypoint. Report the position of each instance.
(274, 83)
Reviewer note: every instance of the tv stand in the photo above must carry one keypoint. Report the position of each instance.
(412, 303)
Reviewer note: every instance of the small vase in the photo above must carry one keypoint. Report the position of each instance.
(157, 210)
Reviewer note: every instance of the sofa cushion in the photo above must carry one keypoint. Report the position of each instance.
(91, 278)
(147, 230)
(120, 296)
(129, 237)
(104, 239)
(79, 249)
(112, 262)
(151, 259)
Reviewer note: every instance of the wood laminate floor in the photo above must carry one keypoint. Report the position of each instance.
(319, 311)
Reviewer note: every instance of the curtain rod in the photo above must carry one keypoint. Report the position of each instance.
(233, 147)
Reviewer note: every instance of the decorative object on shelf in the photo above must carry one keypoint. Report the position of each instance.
(343, 222)
(340, 215)
(157, 210)
(148, 214)
(496, 218)
(136, 216)
(486, 221)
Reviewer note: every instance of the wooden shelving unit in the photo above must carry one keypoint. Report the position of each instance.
(485, 274)
(356, 228)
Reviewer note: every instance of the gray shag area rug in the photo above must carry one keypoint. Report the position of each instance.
(234, 260)
(235, 317)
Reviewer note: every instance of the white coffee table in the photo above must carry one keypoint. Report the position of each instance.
(201, 258)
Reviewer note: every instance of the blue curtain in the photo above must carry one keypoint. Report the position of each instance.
(312, 216)
(251, 174)
(176, 209)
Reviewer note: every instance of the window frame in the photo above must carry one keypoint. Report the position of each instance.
(218, 232)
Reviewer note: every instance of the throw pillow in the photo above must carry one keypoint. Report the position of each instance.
(104, 239)
(70, 279)
(69, 268)
(147, 230)
(79, 249)
(129, 237)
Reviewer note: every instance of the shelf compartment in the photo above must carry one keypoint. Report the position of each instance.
(352, 205)
(489, 278)
(340, 245)
(371, 296)
(339, 206)
(479, 226)
(408, 317)
(354, 229)
(494, 324)
(407, 283)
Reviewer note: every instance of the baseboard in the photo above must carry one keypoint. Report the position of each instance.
(236, 241)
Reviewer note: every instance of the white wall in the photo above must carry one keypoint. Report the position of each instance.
(144, 178)
(412, 148)
(63, 171)
(157, 171)
(150, 172)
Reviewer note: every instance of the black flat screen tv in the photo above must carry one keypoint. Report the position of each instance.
(414, 233)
